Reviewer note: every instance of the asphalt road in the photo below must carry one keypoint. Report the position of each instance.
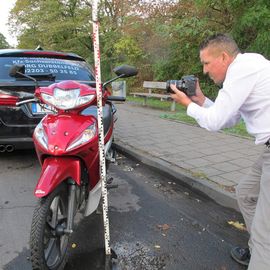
(155, 223)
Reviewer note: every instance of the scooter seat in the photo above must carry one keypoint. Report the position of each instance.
(107, 115)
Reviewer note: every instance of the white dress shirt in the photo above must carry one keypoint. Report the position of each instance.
(245, 93)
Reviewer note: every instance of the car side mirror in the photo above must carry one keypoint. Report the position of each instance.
(125, 71)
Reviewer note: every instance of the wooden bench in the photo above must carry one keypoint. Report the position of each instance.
(154, 85)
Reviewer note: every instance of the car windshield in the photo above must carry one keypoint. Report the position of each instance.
(62, 69)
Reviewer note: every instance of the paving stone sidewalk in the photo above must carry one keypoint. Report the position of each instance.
(212, 162)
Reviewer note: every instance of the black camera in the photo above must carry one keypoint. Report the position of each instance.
(186, 84)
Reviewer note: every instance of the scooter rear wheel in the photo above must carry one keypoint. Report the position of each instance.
(48, 242)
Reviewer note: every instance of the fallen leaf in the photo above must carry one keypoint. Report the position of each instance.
(229, 188)
(163, 227)
(237, 225)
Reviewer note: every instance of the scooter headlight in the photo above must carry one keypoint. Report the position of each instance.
(41, 135)
(87, 135)
(66, 99)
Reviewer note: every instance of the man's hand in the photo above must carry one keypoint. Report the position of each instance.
(200, 97)
(180, 97)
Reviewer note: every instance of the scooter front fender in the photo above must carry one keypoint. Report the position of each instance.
(54, 171)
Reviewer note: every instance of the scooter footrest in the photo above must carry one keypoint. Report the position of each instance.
(111, 186)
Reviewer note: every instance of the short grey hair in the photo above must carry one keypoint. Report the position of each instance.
(221, 41)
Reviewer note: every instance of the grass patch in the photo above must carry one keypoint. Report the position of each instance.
(239, 129)
(153, 103)
(180, 115)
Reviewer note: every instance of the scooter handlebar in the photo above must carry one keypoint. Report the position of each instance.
(13, 101)
(116, 98)
(26, 101)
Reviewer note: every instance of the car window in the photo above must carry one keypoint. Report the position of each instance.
(61, 68)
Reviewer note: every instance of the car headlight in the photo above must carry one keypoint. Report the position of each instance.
(41, 135)
(86, 136)
(66, 99)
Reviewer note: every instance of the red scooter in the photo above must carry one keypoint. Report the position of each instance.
(66, 143)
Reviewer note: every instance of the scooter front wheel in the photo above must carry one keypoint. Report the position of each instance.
(48, 241)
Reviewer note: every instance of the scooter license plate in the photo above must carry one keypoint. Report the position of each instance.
(37, 109)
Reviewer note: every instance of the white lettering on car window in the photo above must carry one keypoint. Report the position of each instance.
(43, 65)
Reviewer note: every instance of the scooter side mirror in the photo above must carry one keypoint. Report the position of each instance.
(125, 71)
(17, 71)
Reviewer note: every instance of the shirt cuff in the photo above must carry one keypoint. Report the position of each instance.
(192, 109)
(207, 103)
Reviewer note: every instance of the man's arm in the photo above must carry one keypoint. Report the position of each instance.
(199, 107)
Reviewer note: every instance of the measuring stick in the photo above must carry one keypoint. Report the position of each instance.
(102, 159)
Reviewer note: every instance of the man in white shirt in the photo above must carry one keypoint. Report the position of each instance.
(245, 93)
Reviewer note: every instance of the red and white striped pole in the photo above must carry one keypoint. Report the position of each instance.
(100, 127)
